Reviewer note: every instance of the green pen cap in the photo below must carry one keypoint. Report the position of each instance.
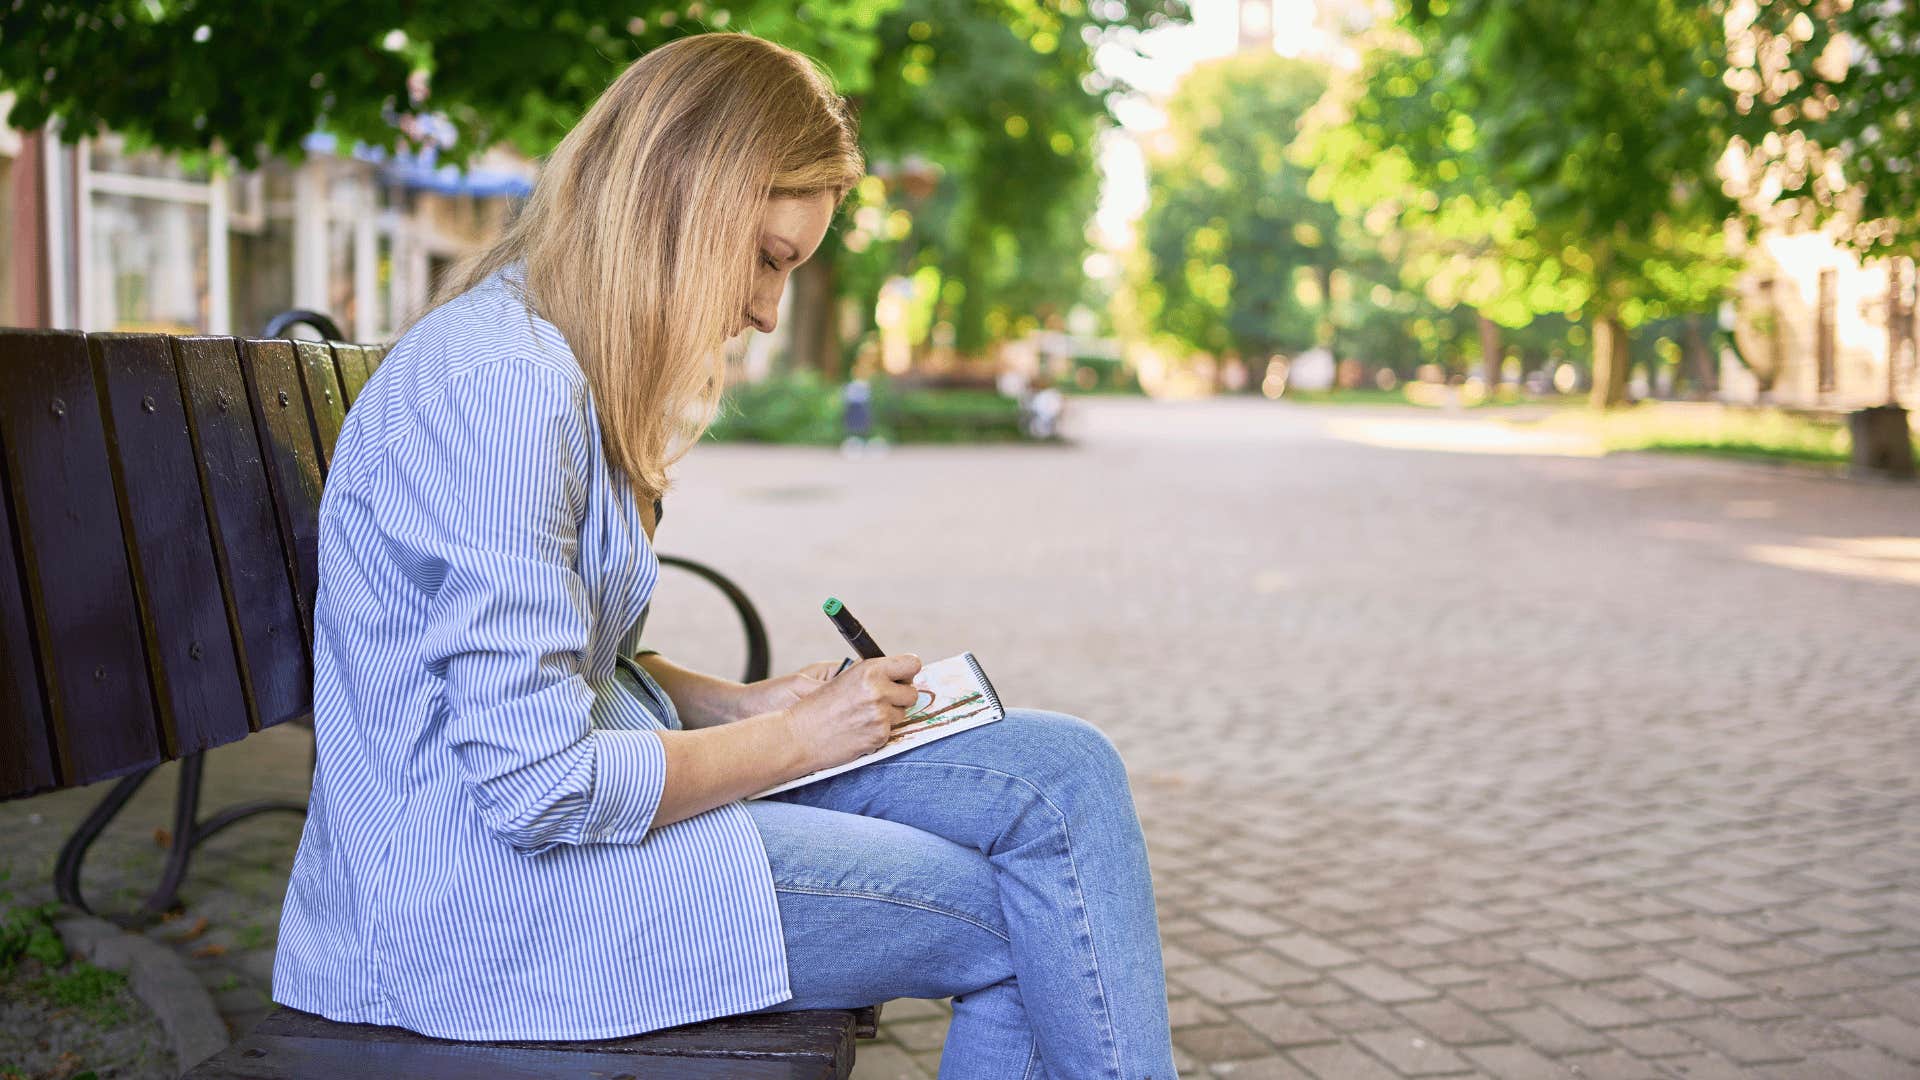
(832, 606)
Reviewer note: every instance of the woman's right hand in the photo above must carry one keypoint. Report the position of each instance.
(854, 713)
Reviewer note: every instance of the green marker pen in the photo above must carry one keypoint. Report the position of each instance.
(857, 637)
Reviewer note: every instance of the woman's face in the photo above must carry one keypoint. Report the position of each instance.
(790, 232)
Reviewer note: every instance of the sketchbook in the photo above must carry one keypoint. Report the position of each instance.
(954, 696)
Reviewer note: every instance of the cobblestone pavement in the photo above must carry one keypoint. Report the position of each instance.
(1464, 761)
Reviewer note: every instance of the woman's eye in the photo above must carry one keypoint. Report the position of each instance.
(766, 260)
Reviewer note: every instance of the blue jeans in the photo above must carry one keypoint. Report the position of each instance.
(1004, 867)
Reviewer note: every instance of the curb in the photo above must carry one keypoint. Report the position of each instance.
(159, 978)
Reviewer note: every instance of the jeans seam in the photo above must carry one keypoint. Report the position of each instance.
(1073, 868)
(861, 894)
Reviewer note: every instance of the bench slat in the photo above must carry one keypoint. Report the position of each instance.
(182, 610)
(26, 758)
(293, 465)
(328, 1059)
(80, 594)
(275, 672)
(326, 400)
(355, 367)
(802, 1043)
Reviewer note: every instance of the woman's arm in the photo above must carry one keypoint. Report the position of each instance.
(705, 701)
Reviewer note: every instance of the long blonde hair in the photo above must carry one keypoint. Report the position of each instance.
(640, 236)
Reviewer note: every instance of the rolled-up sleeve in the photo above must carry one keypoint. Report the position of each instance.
(481, 502)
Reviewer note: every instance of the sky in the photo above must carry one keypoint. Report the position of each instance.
(1167, 55)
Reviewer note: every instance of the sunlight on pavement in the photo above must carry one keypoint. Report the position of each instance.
(1461, 437)
(1880, 558)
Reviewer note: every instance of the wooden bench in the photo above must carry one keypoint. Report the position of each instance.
(158, 565)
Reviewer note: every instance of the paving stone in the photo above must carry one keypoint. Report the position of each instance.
(1266, 1068)
(1381, 985)
(1350, 1016)
(1222, 1042)
(1268, 969)
(1865, 1063)
(1575, 963)
(1340, 1061)
(1285, 1025)
(1590, 1009)
(1452, 1024)
(1312, 951)
(1697, 981)
(1609, 1065)
(1550, 1032)
(1511, 1062)
(1888, 1033)
(1244, 921)
(1187, 1012)
(1220, 986)
(1747, 1044)
(1653, 1040)
(1412, 1053)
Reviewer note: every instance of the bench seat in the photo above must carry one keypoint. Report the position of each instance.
(294, 1045)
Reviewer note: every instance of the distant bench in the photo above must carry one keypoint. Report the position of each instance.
(159, 530)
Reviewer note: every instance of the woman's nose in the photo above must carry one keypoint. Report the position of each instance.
(762, 323)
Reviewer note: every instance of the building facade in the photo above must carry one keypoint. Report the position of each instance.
(97, 236)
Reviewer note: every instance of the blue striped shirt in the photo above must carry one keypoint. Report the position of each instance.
(479, 859)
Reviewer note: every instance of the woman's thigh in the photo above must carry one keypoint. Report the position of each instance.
(872, 909)
(987, 786)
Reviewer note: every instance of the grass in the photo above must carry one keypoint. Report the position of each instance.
(1427, 395)
(1714, 429)
(94, 992)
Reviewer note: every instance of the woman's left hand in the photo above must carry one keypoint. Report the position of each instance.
(771, 695)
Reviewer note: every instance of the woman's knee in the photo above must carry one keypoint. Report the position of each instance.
(1061, 748)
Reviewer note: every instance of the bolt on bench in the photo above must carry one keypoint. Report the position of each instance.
(159, 524)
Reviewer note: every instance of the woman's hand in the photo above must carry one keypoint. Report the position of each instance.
(854, 712)
(782, 691)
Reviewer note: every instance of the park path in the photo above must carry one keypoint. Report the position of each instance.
(1458, 753)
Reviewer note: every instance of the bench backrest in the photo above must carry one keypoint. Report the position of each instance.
(158, 543)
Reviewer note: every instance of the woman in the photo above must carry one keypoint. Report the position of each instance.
(517, 831)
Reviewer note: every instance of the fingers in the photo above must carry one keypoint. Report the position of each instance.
(898, 667)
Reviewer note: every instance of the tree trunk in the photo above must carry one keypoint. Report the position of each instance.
(816, 316)
(1610, 363)
(1493, 354)
(1706, 379)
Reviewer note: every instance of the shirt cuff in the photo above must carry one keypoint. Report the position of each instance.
(629, 776)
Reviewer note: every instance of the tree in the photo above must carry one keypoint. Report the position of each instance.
(1238, 257)
(1825, 95)
(1004, 101)
(256, 77)
(1001, 94)
(1580, 137)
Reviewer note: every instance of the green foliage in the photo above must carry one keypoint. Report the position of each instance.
(1819, 83)
(257, 76)
(95, 992)
(1000, 95)
(804, 408)
(1542, 156)
(1001, 98)
(28, 933)
(1230, 229)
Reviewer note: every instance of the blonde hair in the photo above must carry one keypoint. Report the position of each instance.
(641, 234)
